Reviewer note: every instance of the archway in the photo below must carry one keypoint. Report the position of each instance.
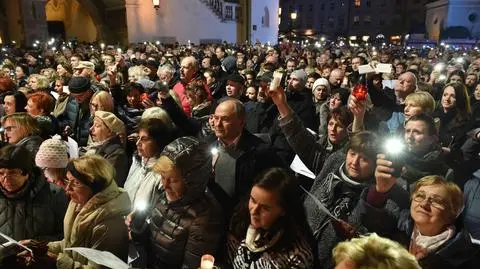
(68, 19)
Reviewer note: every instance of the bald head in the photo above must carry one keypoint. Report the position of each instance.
(336, 78)
(188, 68)
(229, 120)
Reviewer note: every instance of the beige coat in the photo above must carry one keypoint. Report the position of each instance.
(98, 224)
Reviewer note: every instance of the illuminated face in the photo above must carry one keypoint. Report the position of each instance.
(320, 93)
(448, 98)
(429, 208)
(33, 83)
(33, 109)
(335, 101)
(417, 138)
(336, 131)
(310, 82)
(358, 166)
(99, 131)
(173, 184)
(146, 146)
(470, 80)
(264, 208)
(412, 109)
(476, 93)
(251, 93)
(234, 89)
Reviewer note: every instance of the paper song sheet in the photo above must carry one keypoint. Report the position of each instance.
(298, 166)
(104, 258)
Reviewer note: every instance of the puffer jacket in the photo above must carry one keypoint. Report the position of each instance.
(81, 128)
(36, 211)
(65, 111)
(176, 234)
(142, 182)
(98, 224)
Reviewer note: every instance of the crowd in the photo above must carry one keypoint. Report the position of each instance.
(164, 153)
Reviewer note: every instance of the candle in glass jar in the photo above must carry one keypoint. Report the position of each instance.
(206, 264)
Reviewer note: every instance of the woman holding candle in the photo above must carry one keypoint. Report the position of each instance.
(271, 231)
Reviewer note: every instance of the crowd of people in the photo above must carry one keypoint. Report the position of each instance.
(165, 153)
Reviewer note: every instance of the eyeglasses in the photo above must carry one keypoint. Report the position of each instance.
(434, 200)
(9, 173)
(73, 183)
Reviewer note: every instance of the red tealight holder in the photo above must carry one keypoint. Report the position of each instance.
(360, 92)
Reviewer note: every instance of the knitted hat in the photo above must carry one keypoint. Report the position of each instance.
(300, 75)
(53, 153)
(321, 82)
(113, 123)
(79, 84)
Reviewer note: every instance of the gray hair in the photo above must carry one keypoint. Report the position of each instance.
(168, 68)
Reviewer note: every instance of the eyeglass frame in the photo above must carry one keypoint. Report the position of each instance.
(430, 199)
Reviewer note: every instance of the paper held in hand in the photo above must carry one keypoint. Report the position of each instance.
(7, 241)
(320, 206)
(104, 258)
(299, 167)
(277, 78)
(378, 68)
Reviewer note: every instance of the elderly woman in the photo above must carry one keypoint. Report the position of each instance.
(185, 222)
(94, 217)
(142, 182)
(38, 82)
(271, 231)
(30, 206)
(52, 158)
(427, 227)
(108, 135)
(22, 129)
(40, 106)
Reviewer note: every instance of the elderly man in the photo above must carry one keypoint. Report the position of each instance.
(240, 156)
(188, 72)
(336, 78)
(81, 90)
(393, 101)
(166, 74)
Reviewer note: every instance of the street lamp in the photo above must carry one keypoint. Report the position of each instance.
(156, 4)
(293, 17)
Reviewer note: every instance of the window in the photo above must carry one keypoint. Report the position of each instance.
(367, 19)
(331, 22)
(357, 3)
(266, 18)
(228, 12)
(356, 19)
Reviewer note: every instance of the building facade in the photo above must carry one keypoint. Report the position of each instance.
(442, 14)
(352, 17)
(124, 21)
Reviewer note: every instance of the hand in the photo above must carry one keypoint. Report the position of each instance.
(278, 95)
(112, 74)
(67, 131)
(147, 103)
(383, 174)
(128, 222)
(357, 107)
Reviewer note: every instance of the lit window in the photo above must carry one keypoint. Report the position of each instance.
(357, 3)
(356, 19)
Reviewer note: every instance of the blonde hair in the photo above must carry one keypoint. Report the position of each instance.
(164, 166)
(454, 197)
(105, 101)
(422, 99)
(95, 167)
(26, 124)
(139, 72)
(374, 252)
(158, 113)
(42, 81)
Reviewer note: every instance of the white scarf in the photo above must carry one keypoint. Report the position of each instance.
(422, 245)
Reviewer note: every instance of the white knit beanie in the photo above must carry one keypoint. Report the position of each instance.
(321, 82)
(53, 153)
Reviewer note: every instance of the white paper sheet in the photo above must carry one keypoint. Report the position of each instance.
(12, 241)
(389, 83)
(379, 68)
(104, 258)
(298, 166)
(320, 206)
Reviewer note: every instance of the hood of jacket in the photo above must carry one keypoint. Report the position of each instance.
(194, 161)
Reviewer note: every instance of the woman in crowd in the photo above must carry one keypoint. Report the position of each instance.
(22, 129)
(454, 113)
(185, 222)
(38, 82)
(21, 74)
(40, 106)
(197, 97)
(64, 72)
(129, 106)
(321, 92)
(338, 98)
(14, 102)
(52, 158)
(101, 101)
(428, 226)
(108, 135)
(142, 182)
(270, 231)
(30, 206)
(94, 218)
(373, 251)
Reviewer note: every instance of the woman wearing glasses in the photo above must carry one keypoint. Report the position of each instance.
(427, 227)
(94, 217)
